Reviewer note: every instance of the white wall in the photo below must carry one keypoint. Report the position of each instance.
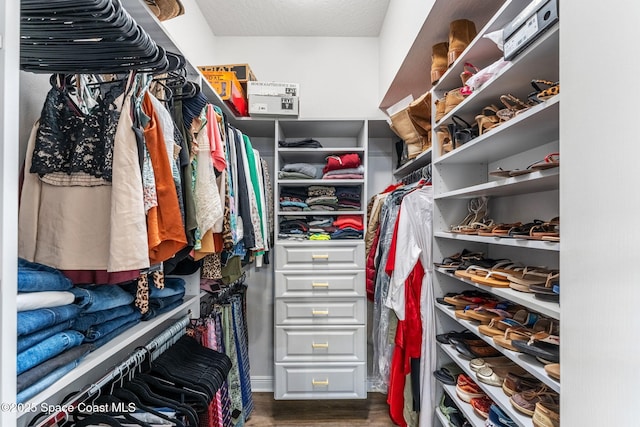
(338, 76)
(402, 23)
(599, 205)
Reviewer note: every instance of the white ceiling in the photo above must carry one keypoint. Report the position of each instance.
(292, 18)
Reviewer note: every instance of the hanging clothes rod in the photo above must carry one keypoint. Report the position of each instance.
(134, 360)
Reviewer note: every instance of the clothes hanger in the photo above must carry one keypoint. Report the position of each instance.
(129, 396)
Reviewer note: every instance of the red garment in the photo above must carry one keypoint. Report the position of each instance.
(354, 221)
(371, 267)
(345, 161)
(408, 345)
(408, 338)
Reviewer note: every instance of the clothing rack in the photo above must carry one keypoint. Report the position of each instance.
(157, 345)
(415, 176)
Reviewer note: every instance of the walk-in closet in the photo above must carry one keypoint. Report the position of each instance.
(290, 213)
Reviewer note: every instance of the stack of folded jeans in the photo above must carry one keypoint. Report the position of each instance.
(107, 311)
(47, 346)
(163, 299)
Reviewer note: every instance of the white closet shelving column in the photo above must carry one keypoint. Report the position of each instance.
(9, 88)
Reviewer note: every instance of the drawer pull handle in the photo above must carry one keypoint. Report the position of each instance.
(320, 312)
(320, 284)
(319, 256)
(318, 382)
(320, 345)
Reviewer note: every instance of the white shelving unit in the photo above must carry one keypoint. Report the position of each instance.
(320, 299)
(463, 173)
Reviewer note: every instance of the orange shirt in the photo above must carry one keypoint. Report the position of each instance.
(164, 222)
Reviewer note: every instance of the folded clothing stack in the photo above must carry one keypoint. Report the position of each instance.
(321, 190)
(302, 143)
(348, 198)
(322, 225)
(294, 228)
(348, 227)
(299, 171)
(322, 203)
(293, 204)
(345, 166)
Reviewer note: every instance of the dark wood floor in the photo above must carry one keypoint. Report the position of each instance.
(326, 413)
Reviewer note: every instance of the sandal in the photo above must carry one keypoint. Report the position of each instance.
(546, 229)
(541, 94)
(502, 230)
(514, 106)
(525, 229)
(488, 119)
(493, 279)
(552, 160)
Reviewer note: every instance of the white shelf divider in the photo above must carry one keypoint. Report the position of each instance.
(533, 182)
(527, 362)
(547, 308)
(504, 241)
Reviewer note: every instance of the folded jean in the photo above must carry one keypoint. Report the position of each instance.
(172, 286)
(85, 321)
(26, 341)
(98, 331)
(45, 350)
(101, 297)
(46, 382)
(156, 312)
(102, 341)
(35, 374)
(45, 299)
(36, 320)
(160, 303)
(34, 277)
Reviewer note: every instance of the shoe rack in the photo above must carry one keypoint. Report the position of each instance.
(463, 174)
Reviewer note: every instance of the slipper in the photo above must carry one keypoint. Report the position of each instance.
(494, 279)
(553, 370)
(539, 349)
(502, 230)
(546, 229)
(552, 160)
(471, 271)
(476, 364)
(448, 374)
(491, 330)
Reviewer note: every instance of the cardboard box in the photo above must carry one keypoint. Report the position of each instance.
(273, 89)
(267, 105)
(243, 72)
(228, 87)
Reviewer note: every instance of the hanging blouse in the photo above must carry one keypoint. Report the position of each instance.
(165, 231)
(73, 147)
(87, 228)
(213, 132)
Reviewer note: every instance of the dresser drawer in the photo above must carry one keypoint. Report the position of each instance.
(320, 381)
(323, 283)
(319, 311)
(320, 344)
(320, 256)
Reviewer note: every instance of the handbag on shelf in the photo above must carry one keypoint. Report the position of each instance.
(461, 131)
(415, 137)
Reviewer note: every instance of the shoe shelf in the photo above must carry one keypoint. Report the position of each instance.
(504, 241)
(533, 182)
(540, 60)
(308, 182)
(423, 159)
(530, 129)
(110, 355)
(440, 417)
(481, 52)
(495, 393)
(527, 362)
(465, 408)
(546, 308)
(314, 155)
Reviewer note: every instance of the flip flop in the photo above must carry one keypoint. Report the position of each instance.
(493, 279)
(551, 160)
